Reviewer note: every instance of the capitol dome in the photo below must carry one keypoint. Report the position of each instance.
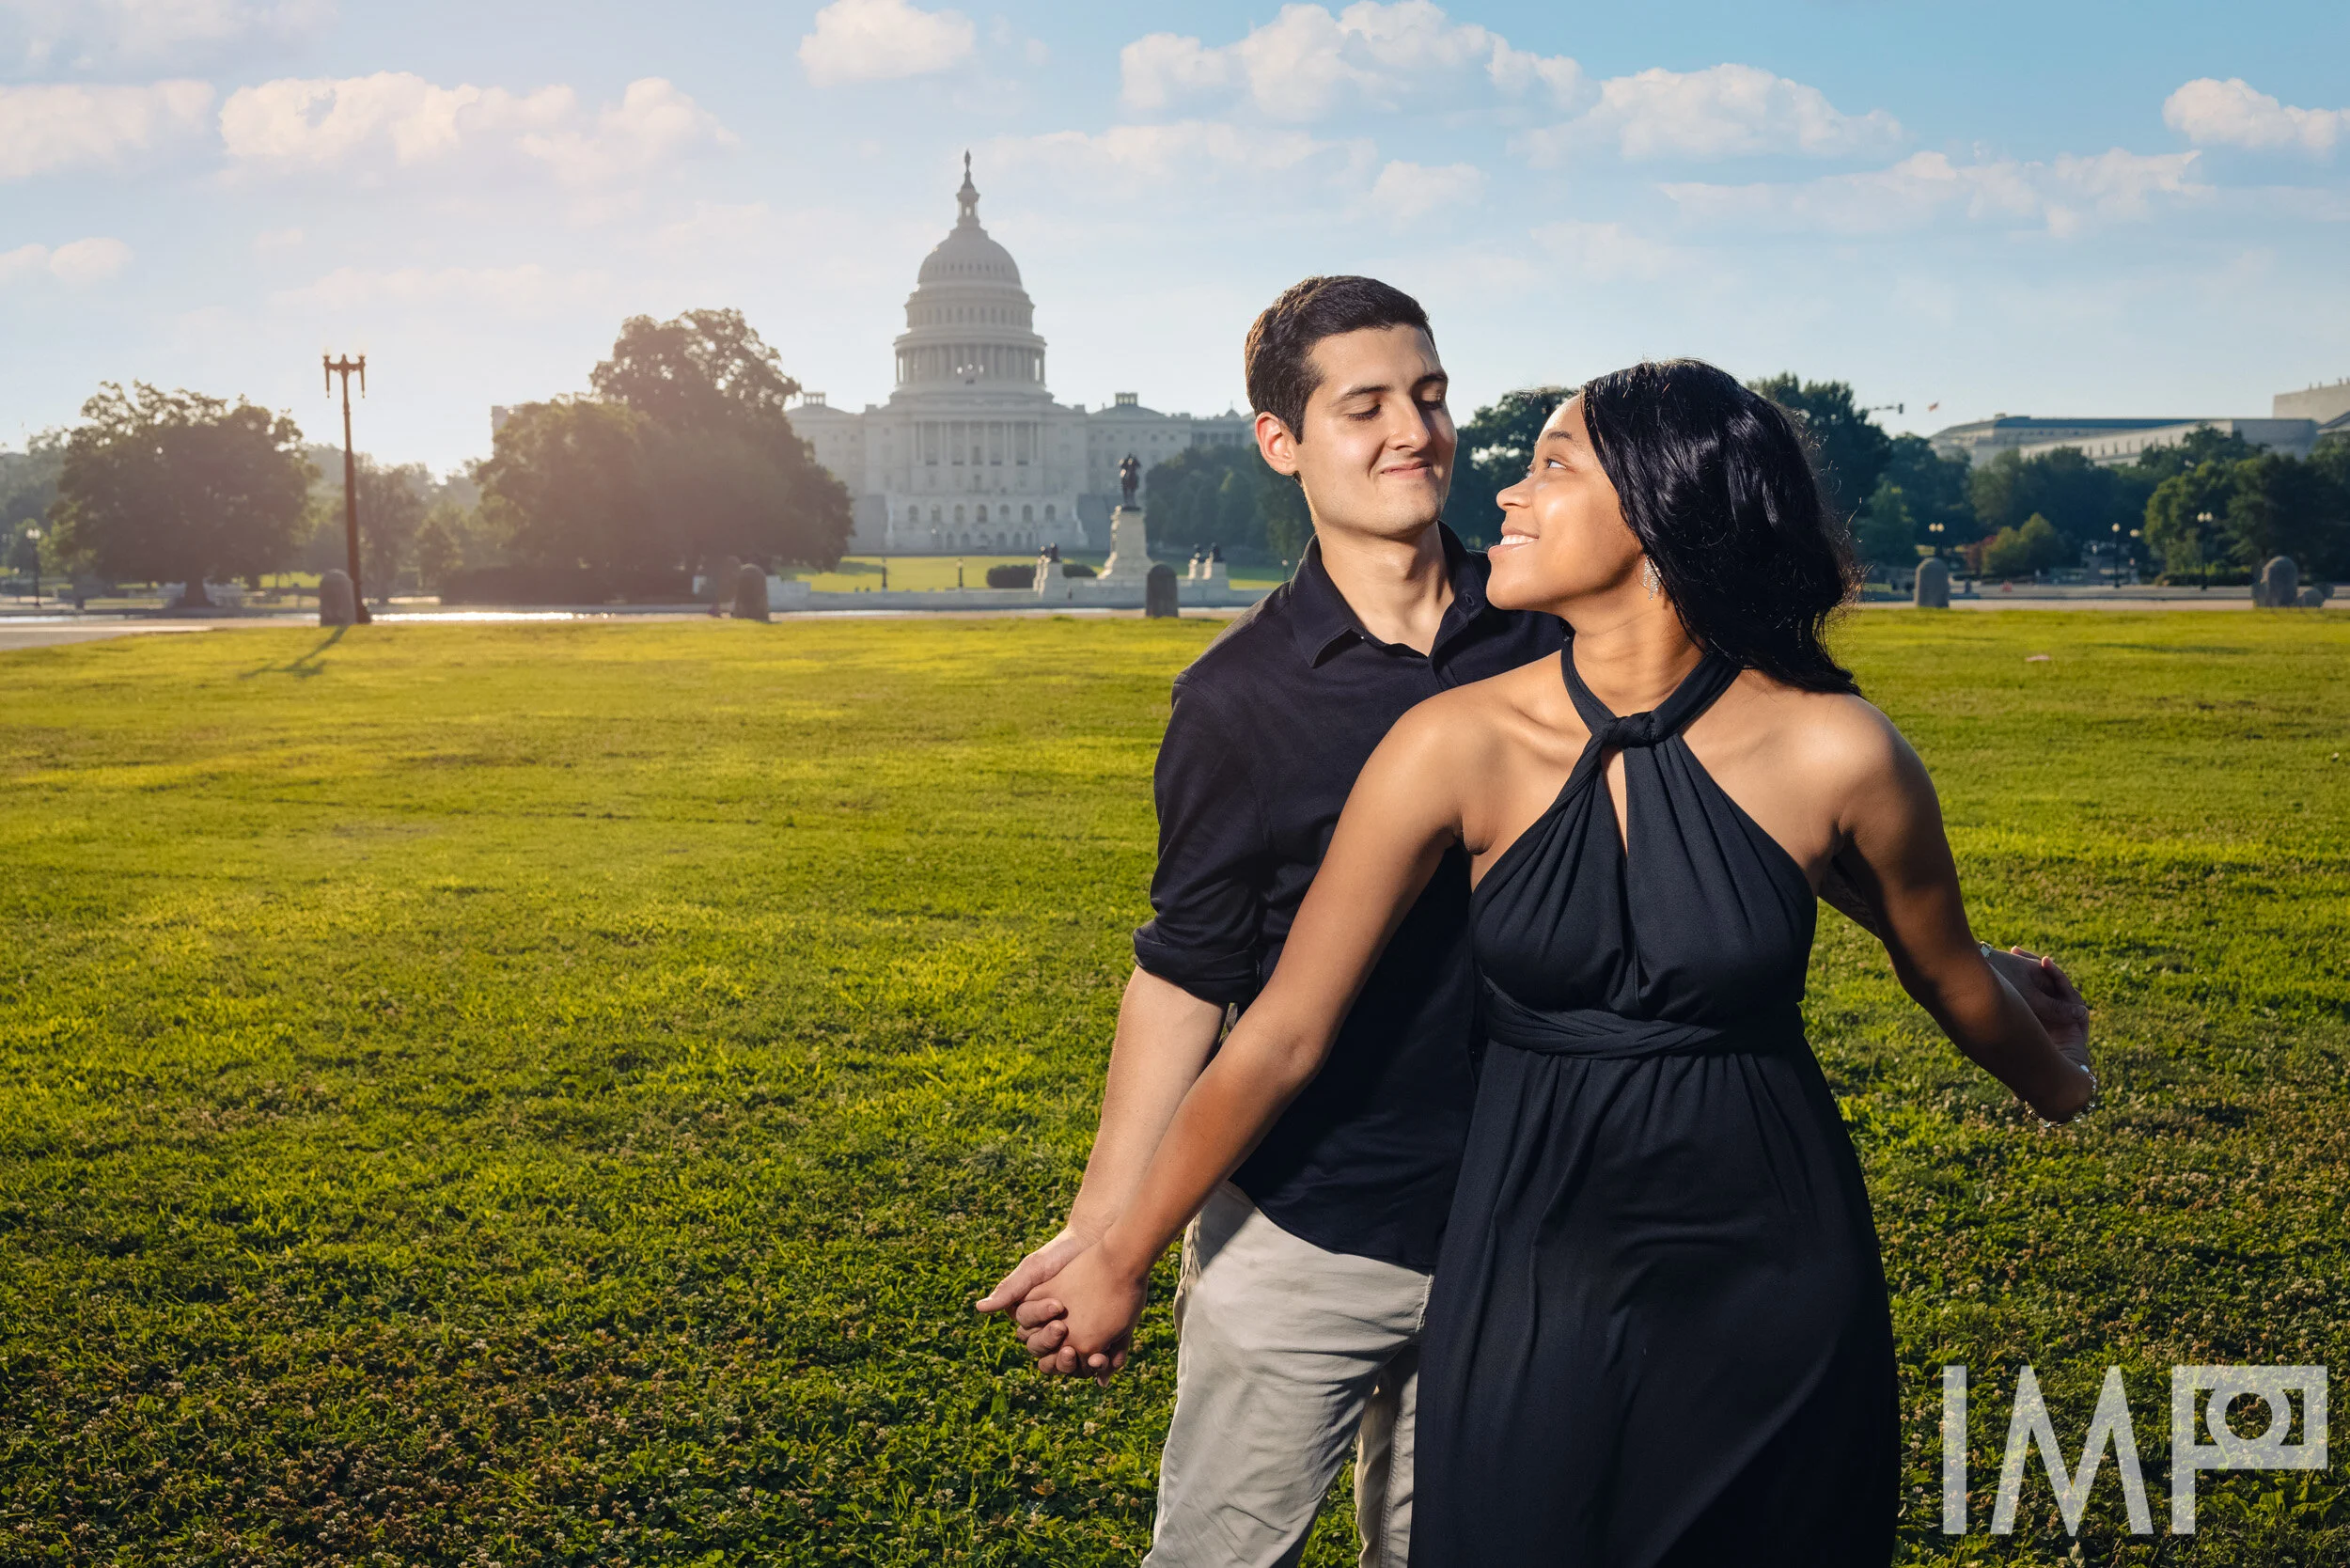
(969, 323)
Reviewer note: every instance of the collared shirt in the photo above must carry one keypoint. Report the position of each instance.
(1271, 725)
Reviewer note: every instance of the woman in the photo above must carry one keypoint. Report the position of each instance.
(1659, 1331)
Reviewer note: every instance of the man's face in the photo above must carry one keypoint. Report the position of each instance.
(1376, 453)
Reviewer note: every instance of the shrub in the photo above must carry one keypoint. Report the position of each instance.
(1013, 576)
(1077, 569)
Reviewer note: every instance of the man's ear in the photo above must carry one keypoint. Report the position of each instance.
(1278, 445)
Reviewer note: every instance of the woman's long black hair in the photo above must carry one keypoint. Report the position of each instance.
(1717, 481)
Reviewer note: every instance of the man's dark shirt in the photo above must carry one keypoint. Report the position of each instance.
(1271, 726)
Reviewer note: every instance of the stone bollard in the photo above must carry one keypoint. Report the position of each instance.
(335, 606)
(1158, 593)
(1932, 591)
(2314, 596)
(2278, 586)
(750, 592)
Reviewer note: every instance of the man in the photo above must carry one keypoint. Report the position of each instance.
(1305, 1278)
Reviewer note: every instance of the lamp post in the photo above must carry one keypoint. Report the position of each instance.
(34, 534)
(2116, 557)
(2202, 521)
(346, 367)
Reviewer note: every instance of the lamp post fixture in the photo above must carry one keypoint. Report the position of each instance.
(34, 534)
(2116, 557)
(2203, 520)
(346, 367)
(1935, 530)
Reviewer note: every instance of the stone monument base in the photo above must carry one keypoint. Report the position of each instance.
(1130, 553)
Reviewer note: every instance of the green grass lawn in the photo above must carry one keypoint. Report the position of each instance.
(548, 1093)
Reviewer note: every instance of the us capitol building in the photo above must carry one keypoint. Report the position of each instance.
(971, 452)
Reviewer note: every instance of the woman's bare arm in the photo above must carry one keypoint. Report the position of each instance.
(1404, 813)
(1900, 861)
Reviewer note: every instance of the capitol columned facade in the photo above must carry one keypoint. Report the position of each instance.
(971, 452)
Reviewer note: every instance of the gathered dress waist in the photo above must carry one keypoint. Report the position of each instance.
(1598, 1033)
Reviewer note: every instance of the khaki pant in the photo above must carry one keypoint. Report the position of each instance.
(1286, 1355)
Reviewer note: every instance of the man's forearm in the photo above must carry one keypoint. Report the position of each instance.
(1165, 1038)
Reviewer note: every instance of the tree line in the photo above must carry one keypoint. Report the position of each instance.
(2213, 503)
(680, 452)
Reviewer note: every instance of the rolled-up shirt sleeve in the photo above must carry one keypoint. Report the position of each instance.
(1207, 897)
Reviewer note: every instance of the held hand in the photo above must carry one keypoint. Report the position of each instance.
(1036, 1269)
(1101, 1303)
(2049, 993)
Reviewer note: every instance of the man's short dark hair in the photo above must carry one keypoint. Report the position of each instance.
(1278, 355)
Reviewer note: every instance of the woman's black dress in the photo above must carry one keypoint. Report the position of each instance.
(1658, 1332)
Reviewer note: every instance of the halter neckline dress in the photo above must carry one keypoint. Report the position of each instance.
(1658, 1333)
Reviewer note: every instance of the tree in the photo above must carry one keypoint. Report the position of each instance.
(564, 486)
(391, 509)
(1496, 449)
(29, 479)
(2081, 500)
(451, 540)
(2281, 505)
(1885, 532)
(2033, 547)
(175, 484)
(1933, 489)
(731, 475)
(2183, 518)
(1850, 451)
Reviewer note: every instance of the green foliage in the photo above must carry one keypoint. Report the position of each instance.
(729, 474)
(1885, 532)
(392, 505)
(1012, 576)
(2283, 507)
(28, 481)
(2183, 518)
(2034, 547)
(1225, 495)
(451, 539)
(2257, 507)
(1496, 447)
(2078, 498)
(565, 486)
(162, 485)
(1933, 489)
(1850, 451)
(555, 1091)
(683, 454)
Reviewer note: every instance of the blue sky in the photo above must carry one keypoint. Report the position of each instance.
(1993, 208)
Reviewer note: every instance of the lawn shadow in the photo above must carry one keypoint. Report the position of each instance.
(309, 663)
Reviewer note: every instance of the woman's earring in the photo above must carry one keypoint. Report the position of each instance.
(1649, 579)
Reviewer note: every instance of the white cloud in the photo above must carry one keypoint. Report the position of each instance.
(1306, 63)
(45, 129)
(272, 241)
(87, 33)
(394, 117)
(2063, 195)
(79, 263)
(1405, 193)
(2212, 113)
(1728, 111)
(883, 40)
(529, 288)
(1142, 160)
(1607, 252)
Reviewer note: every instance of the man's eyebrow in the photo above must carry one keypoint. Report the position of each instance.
(1361, 389)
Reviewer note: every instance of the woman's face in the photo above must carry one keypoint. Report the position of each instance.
(1563, 537)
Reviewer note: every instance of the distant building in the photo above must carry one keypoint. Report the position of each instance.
(2296, 421)
(971, 451)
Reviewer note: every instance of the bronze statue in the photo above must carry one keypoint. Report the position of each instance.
(1130, 477)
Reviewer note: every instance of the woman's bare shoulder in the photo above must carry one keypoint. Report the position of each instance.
(1466, 726)
(1831, 737)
